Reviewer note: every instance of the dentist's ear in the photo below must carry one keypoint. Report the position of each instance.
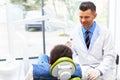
(95, 14)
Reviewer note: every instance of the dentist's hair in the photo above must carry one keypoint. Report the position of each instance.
(87, 5)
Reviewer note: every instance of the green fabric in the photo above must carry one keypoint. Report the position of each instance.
(75, 78)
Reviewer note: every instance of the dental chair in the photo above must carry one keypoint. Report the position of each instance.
(63, 68)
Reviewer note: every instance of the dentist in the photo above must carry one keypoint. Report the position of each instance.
(93, 46)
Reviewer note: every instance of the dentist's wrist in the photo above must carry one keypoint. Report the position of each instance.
(100, 72)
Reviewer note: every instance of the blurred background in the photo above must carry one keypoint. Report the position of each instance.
(31, 27)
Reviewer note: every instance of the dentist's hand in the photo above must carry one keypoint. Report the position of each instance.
(68, 43)
(93, 74)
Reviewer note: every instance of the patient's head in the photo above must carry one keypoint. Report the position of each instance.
(60, 51)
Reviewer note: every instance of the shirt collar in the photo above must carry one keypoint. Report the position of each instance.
(91, 28)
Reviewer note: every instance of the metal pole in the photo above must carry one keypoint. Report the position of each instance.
(117, 63)
(43, 27)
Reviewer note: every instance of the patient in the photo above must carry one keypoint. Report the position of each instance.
(41, 71)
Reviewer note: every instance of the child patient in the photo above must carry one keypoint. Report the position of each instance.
(41, 71)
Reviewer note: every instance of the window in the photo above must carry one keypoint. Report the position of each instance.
(21, 24)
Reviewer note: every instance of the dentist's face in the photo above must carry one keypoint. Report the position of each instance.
(86, 18)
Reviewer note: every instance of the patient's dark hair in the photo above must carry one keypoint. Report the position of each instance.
(60, 51)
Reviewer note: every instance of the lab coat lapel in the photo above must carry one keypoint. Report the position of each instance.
(80, 43)
(94, 36)
(80, 48)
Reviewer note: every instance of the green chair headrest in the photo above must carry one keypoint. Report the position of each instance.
(62, 60)
(75, 78)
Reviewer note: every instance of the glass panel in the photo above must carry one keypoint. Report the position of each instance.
(21, 24)
(4, 51)
(21, 33)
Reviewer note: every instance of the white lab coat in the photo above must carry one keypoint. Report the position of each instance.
(101, 53)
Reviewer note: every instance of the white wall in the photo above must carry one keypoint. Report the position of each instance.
(114, 21)
(117, 25)
(114, 26)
